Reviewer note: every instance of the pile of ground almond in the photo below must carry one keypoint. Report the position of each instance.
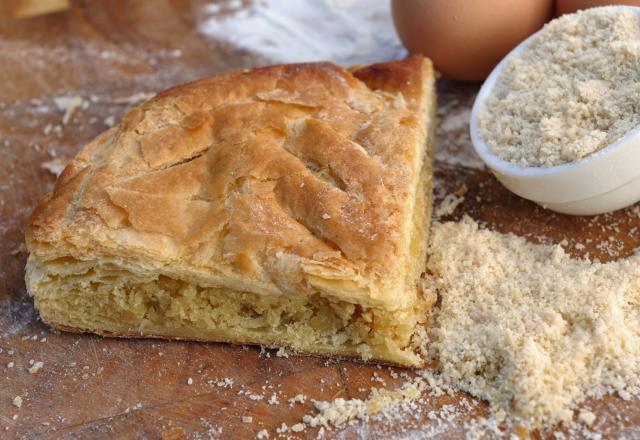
(521, 325)
(574, 90)
(528, 328)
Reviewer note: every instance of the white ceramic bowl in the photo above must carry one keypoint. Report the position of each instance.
(601, 182)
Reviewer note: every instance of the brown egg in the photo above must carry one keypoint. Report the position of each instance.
(467, 38)
(569, 6)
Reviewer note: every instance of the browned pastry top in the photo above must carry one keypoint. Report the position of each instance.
(274, 174)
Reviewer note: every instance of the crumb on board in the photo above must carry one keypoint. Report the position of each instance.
(35, 367)
(226, 382)
(134, 99)
(17, 402)
(586, 417)
(450, 202)
(109, 121)
(298, 427)
(21, 249)
(69, 104)
(282, 428)
(55, 166)
(298, 398)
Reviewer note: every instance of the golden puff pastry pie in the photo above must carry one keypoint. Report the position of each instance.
(286, 206)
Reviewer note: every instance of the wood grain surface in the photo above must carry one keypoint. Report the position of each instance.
(95, 388)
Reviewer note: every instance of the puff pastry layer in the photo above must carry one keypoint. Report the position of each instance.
(283, 206)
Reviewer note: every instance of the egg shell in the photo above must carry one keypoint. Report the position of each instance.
(570, 6)
(466, 38)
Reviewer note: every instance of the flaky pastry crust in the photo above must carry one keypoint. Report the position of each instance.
(288, 180)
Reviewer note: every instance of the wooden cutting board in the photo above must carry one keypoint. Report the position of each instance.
(106, 53)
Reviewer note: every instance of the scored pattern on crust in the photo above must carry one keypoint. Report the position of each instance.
(301, 160)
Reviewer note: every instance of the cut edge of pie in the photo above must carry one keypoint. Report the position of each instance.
(285, 206)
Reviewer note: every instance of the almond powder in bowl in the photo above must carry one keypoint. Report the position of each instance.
(562, 110)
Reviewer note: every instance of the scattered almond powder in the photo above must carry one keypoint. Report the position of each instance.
(399, 407)
(226, 382)
(341, 411)
(263, 434)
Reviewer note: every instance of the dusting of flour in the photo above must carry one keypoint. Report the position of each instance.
(284, 31)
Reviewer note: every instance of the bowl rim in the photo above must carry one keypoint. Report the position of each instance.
(511, 169)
